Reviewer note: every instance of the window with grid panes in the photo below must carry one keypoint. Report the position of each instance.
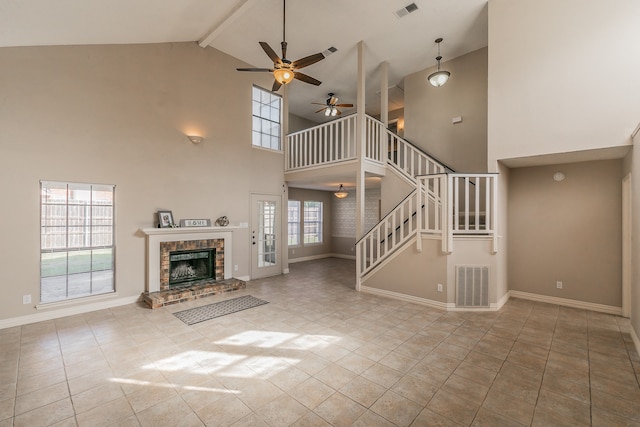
(266, 107)
(294, 222)
(77, 250)
(312, 222)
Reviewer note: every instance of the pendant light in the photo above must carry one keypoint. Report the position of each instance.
(341, 193)
(440, 77)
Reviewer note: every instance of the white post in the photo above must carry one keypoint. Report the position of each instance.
(419, 203)
(494, 214)
(361, 141)
(384, 110)
(360, 152)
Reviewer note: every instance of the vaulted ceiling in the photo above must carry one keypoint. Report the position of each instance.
(236, 26)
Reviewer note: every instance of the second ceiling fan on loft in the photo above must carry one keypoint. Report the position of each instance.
(330, 107)
(284, 71)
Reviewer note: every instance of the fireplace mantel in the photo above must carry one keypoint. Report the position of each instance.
(155, 236)
(179, 230)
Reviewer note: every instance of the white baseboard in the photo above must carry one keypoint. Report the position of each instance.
(343, 256)
(321, 256)
(636, 340)
(408, 298)
(68, 311)
(244, 278)
(609, 309)
(502, 301)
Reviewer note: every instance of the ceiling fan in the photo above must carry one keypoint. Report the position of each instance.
(284, 71)
(331, 106)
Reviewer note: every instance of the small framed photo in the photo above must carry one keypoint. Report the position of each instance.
(165, 219)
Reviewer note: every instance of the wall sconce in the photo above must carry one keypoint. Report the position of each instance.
(195, 139)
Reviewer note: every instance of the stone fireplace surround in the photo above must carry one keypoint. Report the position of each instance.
(158, 294)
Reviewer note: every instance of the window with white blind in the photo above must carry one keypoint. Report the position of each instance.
(77, 251)
(294, 222)
(312, 222)
(266, 107)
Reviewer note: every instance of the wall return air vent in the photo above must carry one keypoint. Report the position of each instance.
(410, 8)
(472, 286)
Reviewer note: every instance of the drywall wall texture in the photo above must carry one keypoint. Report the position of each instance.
(561, 75)
(304, 251)
(429, 111)
(119, 115)
(568, 231)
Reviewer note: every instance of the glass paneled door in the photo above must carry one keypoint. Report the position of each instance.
(265, 235)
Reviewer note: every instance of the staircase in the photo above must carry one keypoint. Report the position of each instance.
(443, 205)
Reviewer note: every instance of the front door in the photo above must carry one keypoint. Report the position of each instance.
(265, 235)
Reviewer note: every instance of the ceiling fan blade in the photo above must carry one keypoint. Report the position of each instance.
(322, 109)
(307, 60)
(338, 111)
(255, 70)
(307, 79)
(270, 53)
(344, 105)
(276, 86)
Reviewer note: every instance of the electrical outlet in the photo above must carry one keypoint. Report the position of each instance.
(559, 285)
(439, 287)
(235, 267)
(26, 299)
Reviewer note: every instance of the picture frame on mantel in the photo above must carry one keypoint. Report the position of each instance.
(165, 219)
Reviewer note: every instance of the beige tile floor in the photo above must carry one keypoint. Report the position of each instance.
(322, 354)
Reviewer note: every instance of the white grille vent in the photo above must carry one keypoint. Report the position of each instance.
(472, 286)
(410, 8)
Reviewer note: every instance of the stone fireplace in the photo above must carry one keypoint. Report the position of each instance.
(188, 263)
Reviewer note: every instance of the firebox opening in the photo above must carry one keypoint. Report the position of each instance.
(186, 267)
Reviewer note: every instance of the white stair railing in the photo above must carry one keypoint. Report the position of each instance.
(409, 159)
(396, 228)
(322, 145)
(442, 205)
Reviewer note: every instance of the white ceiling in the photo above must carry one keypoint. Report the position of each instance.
(236, 26)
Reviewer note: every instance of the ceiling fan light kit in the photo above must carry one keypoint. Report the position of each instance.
(439, 77)
(330, 107)
(284, 71)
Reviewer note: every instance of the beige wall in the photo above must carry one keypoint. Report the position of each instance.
(561, 75)
(567, 231)
(325, 197)
(393, 190)
(297, 123)
(428, 112)
(119, 115)
(427, 269)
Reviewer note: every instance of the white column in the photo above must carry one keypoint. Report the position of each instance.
(384, 93)
(360, 142)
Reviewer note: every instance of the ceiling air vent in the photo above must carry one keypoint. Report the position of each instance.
(406, 10)
(329, 51)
